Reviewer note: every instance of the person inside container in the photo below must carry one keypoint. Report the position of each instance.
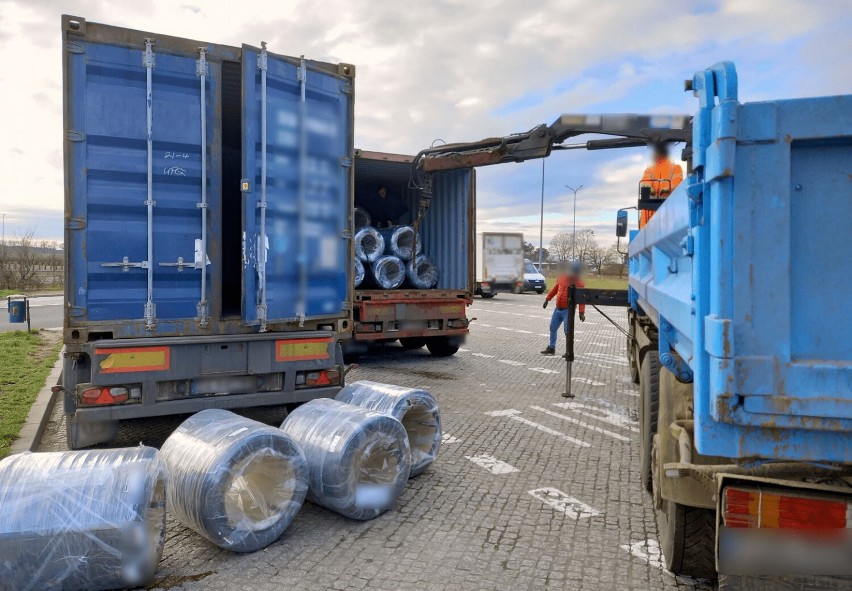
(663, 177)
(386, 209)
(569, 275)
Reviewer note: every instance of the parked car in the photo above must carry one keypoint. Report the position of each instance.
(533, 280)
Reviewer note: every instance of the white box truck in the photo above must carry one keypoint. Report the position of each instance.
(499, 263)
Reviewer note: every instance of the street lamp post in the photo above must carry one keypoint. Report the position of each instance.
(574, 228)
(541, 228)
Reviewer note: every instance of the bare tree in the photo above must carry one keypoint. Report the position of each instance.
(619, 258)
(560, 246)
(598, 256)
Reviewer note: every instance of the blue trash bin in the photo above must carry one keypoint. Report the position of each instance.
(17, 311)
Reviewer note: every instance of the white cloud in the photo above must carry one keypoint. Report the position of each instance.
(444, 69)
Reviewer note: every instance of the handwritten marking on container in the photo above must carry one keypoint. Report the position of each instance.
(559, 501)
(174, 171)
(512, 414)
(492, 464)
(174, 155)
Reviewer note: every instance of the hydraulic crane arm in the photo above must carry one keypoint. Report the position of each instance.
(629, 130)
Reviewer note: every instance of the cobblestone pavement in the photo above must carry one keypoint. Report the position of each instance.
(529, 491)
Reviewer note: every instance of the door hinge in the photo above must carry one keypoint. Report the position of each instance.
(75, 136)
(75, 224)
(75, 47)
(76, 311)
(346, 162)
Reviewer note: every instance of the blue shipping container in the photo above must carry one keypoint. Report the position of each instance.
(180, 163)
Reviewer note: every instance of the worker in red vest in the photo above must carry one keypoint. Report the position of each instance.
(561, 290)
(663, 177)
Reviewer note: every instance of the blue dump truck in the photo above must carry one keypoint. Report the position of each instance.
(740, 317)
(208, 215)
(739, 327)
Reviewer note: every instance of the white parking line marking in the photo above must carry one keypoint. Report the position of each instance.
(524, 331)
(585, 381)
(599, 414)
(492, 464)
(481, 324)
(646, 550)
(581, 423)
(504, 328)
(513, 415)
(462, 350)
(542, 370)
(511, 362)
(447, 438)
(483, 355)
(558, 500)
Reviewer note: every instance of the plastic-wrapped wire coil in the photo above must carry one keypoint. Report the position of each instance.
(358, 271)
(359, 460)
(362, 217)
(422, 272)
(416, 409)
(388, 271)
(399, 241)
(237, 482)
(81, 519)
(369, 244)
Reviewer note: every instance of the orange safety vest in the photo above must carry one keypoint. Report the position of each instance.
(663, 177)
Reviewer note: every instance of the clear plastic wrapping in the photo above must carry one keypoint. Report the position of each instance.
(362, 217)
(237, 482)
(416, 409)
(388, 272)
(358, 459)
(422, 272)
(81, 519)
(358, 271)
(369, 244)
(399, 241)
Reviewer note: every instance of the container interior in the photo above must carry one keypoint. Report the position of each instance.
(447, 225)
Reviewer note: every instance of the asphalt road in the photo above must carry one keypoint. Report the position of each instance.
(45, 312)
(529, 491)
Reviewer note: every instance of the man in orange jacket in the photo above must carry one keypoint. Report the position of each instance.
(561, 290)
(663, 176)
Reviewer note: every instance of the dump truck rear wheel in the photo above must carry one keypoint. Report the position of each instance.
(633, 359)
(649, 408)
(688, 539)
(441, 346)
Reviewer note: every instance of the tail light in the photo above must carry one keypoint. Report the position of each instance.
(755, 508)
(313, 379)
(102, 396)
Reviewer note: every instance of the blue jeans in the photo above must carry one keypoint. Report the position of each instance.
(560, 316)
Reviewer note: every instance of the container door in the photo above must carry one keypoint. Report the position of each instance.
(135, 160)
(297, 158)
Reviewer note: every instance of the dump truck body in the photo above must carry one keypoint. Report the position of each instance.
(208, 196)
(446, 230)
(736, 294)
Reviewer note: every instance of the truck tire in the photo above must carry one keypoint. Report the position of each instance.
(539, 291)
(441, 346)
(649, 407)
(411, 343)
(487, 296)
(86, 434)
(688, 539)
(633, 359)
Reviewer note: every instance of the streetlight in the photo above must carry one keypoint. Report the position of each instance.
(541, 228)
(574, 229)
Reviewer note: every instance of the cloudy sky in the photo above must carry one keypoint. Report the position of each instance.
(454, 70)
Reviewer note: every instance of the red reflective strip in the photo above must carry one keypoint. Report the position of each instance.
(753, 509)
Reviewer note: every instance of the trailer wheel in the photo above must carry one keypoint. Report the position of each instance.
(487, 296)
(85, 434)
(649, 407)
(411, 343)
(688, 539)
(442, 346)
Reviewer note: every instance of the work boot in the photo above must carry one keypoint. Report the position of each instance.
(549, 351)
